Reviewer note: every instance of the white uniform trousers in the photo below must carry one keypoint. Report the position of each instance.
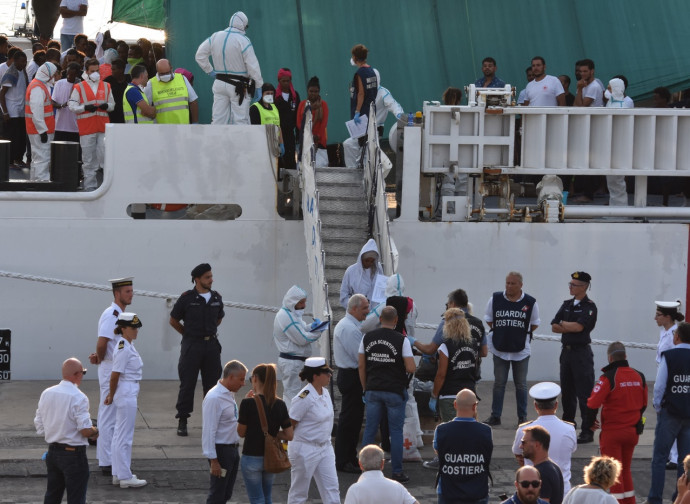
(106, 416)
(125, 402)
(226, 105)
(352, 152)
(292, 384)
(40, 157)
(310, 460)
(92, 155)
(618, 192)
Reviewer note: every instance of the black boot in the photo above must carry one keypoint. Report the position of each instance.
(182, 427)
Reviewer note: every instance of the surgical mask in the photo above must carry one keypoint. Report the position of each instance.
(299, 313)
(268, 98)
(352, 62)
(607, 94)
(94, 77)
(164, 77)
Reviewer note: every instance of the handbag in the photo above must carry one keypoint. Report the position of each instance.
(275, 457)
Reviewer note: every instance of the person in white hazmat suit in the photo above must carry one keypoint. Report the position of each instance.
(384, 104)
(395, 286)
(40, 125)
(293, 337)
(360, 277)
(615, 94)
(234, 66)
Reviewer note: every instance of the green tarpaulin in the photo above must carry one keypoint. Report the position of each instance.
(148, 13)
(423, 46)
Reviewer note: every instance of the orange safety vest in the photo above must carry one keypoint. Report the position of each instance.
(48, 113)
(92, 122)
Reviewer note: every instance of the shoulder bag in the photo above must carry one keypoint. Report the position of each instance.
(275, 457)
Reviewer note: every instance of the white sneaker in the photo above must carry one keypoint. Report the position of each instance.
(133, 482)
(116, 481)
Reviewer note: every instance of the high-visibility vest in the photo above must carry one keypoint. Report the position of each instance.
(171, 100)
(92, 122)
(48, 113)
(269, 116)
(129, 113)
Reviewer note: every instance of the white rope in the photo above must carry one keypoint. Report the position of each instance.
(108, 288)
(557, 339)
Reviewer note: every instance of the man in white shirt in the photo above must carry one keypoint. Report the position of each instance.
(64, 420)
(589, 92)
(73, 13)
(544, 90)
(372, 485)
(219, 438)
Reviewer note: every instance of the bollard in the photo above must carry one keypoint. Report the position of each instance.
(4, 160)
(64, 165)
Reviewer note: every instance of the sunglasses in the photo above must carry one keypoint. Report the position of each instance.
(526, 484)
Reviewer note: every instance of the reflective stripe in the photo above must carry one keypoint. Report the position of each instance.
(45, 114)
(173, 100)
(168, 109)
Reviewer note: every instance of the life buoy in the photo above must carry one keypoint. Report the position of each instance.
(168, 207)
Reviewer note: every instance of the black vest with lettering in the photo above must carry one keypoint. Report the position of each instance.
(511, 322)
(371, 89)
(384, 361)
(462, 359)
(677, 396)
(464, 453)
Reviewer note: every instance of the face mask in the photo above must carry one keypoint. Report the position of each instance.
(95, 77)
(164, 77)
(268, 98)
(607, 94)
(299, 313)
(352, 62)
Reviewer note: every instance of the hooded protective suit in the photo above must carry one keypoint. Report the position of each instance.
(232, 56)
(357, 280)
(293, 339)
(395, 286)
(38, 95)
(618, 191)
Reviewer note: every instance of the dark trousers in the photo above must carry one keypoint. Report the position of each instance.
(350, 418)
(287, 161)
(15, 129)
(196, 355)
(220, 490)
(577, 382)
(67, 470)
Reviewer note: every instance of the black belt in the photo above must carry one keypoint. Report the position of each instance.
(575, 347)
(232, 79)
(288, 356)
(233, 445)
(66, 447)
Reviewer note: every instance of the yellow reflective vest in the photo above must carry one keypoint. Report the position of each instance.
(268, 116)
(171, 100)
(129, 113)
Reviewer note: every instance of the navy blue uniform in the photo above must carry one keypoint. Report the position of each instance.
(200, 346)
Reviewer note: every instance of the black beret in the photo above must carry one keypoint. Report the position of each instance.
(200, 270)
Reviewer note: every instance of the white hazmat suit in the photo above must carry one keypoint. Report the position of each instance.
(232, 56)
(293, 339)
(357, 280)
(618, 191)
(40, 151)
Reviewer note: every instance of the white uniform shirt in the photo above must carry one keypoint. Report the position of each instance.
(665, 341)
(513, 356)
(562, 448)
(543, 93)
(314, 413)
(127, 361)
(373, 487)
(106, 329)
(346, 339)
(73, 25)
(219, 412)
(231, 52)
(596, 92)
(63, 411)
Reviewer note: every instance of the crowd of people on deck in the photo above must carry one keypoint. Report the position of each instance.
(374, 348)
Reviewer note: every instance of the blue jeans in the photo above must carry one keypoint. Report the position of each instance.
(394, 404)
(259, 483)
(67, 470)
(66, 42)
(668, 428)
(501, 368)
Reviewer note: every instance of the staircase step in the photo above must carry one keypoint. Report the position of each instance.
(340, 190)
(334, 260)
(349, 206)
(354, 234)
(343, 220)
(339, 175)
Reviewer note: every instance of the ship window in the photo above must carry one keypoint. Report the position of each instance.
(184, 211)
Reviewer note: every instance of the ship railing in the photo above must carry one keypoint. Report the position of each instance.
(316, 255)
(377, 203)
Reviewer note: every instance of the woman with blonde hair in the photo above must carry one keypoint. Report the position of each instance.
(600, 475)
(457, 360)
(259, 483)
